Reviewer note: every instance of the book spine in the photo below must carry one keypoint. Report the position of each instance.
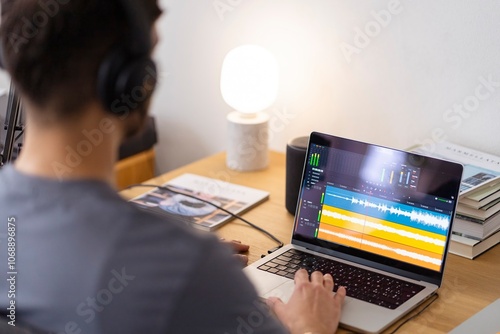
(467, 219)
(465, 235)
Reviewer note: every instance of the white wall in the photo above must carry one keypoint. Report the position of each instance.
(396, 91)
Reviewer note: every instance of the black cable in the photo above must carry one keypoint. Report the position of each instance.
(415, 315)
(167, 188)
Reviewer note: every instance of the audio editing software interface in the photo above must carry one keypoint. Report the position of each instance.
(373, 202)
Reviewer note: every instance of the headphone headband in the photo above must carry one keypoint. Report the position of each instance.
(125, 69)
(139, 28)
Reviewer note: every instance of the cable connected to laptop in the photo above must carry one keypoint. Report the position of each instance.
(175, 191)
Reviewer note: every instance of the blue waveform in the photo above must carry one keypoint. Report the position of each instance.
(387, 210)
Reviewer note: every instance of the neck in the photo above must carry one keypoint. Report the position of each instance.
(84, 148)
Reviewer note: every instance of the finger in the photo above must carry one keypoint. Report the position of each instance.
(275, 304)
(328, 282)
(340, 295)
(238, 246)
(270, 301)
(317, 278)
(301, 276)
(242, 258)
(241, 248)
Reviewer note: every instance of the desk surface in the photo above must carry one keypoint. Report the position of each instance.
(469, 285)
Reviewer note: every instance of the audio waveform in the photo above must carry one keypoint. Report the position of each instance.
(414, 215)
(398, 251)
(381, 227)
(379, 208)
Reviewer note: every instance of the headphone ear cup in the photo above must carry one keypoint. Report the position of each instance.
(125, 81)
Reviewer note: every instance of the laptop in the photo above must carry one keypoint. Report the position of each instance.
(378, 219)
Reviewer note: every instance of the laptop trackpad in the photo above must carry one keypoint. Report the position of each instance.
(283, 291)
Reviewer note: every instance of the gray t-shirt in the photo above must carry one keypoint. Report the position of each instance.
(89, 262)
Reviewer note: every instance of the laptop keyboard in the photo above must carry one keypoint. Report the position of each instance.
(361, 284)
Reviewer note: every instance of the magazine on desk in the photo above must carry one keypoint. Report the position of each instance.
(232, 197)
(481, 170)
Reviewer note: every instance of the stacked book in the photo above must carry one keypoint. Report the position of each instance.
(476, 227)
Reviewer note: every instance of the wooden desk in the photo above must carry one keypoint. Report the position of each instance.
(469, 285)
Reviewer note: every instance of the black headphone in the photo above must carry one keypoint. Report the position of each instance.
(127, 77)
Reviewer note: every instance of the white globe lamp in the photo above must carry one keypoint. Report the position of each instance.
(249, 84)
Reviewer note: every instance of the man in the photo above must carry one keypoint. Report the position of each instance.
(86, 261)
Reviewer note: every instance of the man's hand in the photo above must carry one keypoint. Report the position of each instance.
(238, 248)
(313, 306)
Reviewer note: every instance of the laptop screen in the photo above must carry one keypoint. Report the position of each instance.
(377, 204)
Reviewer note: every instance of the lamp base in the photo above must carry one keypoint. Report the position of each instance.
(248, 137)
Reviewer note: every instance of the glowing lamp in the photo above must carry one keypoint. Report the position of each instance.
(249, 84)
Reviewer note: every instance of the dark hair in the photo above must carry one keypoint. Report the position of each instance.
(53, 48)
